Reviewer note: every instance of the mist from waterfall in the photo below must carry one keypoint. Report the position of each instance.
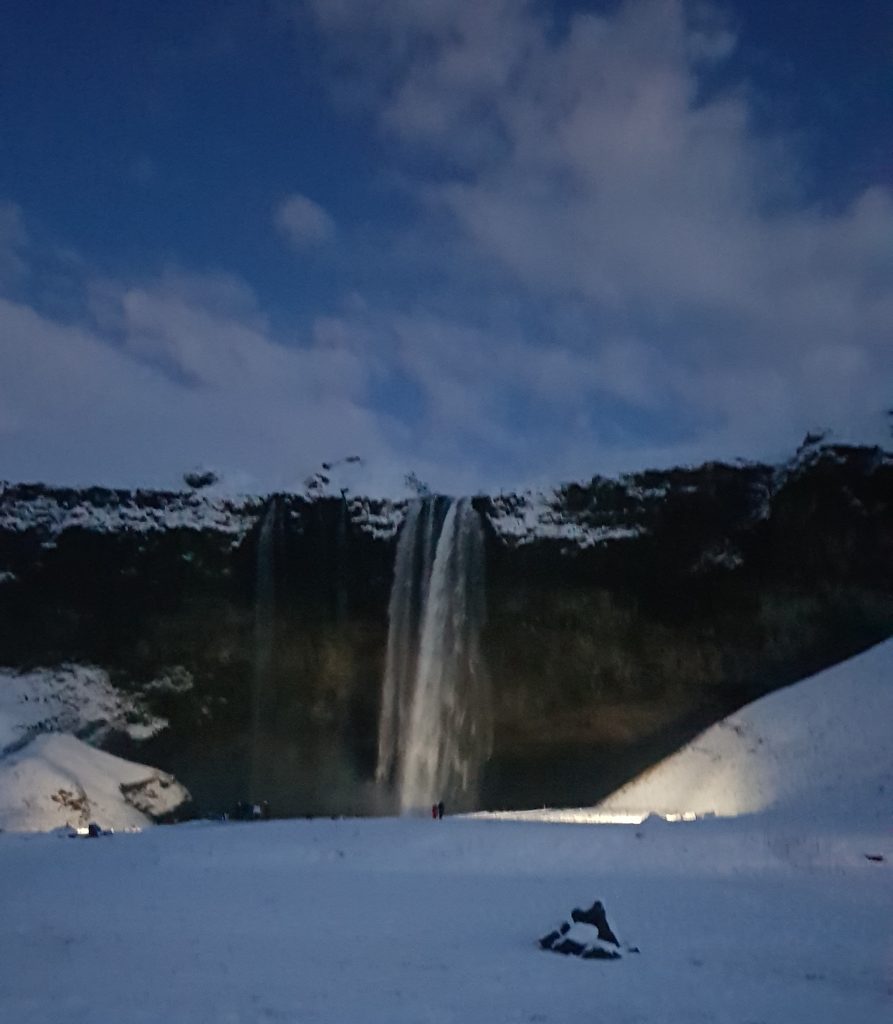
(436, 721)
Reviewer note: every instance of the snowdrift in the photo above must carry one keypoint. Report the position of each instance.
(822, 746)
(57, 780)
(50, 778)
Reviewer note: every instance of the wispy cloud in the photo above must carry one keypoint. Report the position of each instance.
(599, 263)
(303, 222)
(582, 158)
(173, 372)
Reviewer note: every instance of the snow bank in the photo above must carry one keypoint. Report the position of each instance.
(70, 698)
(49, 778)
(821, 746)
(58, 780)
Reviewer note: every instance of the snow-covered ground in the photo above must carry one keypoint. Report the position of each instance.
(778, 917)
(407, 921)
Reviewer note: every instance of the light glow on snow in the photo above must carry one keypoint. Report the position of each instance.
(820, 744)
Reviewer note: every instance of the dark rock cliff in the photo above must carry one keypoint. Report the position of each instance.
(623, 616)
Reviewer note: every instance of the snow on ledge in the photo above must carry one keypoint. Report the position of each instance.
(100, 511)
(532, 516)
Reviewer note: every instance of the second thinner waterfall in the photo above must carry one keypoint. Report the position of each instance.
(264, 612)
(436, 728)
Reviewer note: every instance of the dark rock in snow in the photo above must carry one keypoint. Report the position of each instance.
(588, 936)
(595, 916)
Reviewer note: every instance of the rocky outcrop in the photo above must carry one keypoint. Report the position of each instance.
(623, 616)
(57, 781)
(587, 935)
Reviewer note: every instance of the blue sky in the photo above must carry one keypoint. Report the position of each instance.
(494, 242)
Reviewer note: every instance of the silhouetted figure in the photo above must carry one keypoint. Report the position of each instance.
(440, 809)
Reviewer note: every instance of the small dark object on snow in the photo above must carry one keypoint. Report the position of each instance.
(245, 811)
(596, 916)
(199, 478)
(876, 857)
(93, 830)
(589, 937)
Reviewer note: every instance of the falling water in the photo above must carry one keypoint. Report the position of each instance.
(412, 571)
(436, 720)
(264, 609)
(341, 561)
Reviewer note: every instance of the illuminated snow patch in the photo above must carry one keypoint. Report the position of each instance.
(56, 780)
(820, 746)
(580, 816)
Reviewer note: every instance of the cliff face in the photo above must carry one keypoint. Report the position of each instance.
(622, 615)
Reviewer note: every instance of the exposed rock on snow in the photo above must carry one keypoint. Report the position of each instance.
(522, 519)
(50, 778)
(575, 515)
(51, 511)
(57, 780)
(381, 519)
(821, 746)
(587, 935)
(70, 698)
(176, 679)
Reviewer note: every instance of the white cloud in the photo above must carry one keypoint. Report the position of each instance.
(303, 222)
(612, 272)
(175, 378)
(582, 160)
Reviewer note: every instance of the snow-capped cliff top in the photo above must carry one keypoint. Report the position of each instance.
(581, 515)
(541, 515)
(52, 511)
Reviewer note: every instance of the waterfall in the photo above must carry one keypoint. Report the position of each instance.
(412, 570)
(435, 730)
(264, 609)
